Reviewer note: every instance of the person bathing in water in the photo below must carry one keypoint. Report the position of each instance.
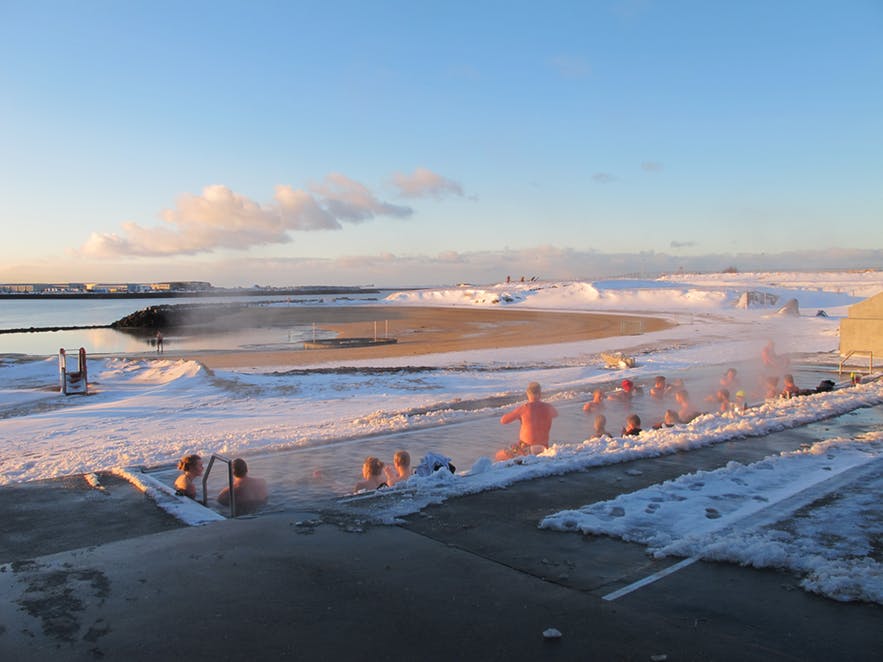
(660, 389)
(372, 475)
(185, 484)
(400, 470)
(789, 388)
(600, 427)
(625, 393)
(249, 493)
(669, 420)
(686, 413)
(536, 424)
(596, 403)
(632, 426)
(730, 380)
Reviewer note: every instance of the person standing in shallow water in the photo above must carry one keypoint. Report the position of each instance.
(536, 424)
(159, 345)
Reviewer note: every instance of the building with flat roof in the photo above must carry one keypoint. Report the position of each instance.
(861, 332)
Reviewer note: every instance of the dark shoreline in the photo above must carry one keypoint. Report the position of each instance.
(43, 329)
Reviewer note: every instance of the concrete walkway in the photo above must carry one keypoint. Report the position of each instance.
(109, 577)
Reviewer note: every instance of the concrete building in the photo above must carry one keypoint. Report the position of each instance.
(41, 288)
(112, 288)
(861, 332)
(181, 286)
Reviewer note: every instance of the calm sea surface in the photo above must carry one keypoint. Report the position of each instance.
(26, 313)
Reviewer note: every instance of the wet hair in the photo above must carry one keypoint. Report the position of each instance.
(374, 465)
(188, 462)
(240, 468)
(660, 379)
(671, 417)
(534, 389)
(633, 420)
(788, 379)
(402, 459)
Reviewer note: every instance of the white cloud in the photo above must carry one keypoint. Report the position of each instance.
(652, 166)
(425, 183)
(349, 200)
(222, 218)
(301, 211)
(604, 177)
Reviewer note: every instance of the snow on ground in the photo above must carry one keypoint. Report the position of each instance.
(150, 412)
(758, 515)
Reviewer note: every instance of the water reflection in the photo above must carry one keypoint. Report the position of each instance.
(111, 341)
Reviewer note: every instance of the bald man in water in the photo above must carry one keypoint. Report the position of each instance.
(536, 423)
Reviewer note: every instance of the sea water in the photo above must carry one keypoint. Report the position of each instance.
(46, 313)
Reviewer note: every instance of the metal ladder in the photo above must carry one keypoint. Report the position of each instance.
(858, 351)
(205, 475)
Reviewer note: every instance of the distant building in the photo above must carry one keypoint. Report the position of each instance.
(42, 288)
(105, 288)
(181, 286)
(861, 333)
(17, 288)
(113, 288)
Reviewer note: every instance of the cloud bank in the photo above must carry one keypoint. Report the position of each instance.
(444, 268)
(221, 218)
(545, 262)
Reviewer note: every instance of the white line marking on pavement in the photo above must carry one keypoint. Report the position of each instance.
(649, 579)
(768, 514)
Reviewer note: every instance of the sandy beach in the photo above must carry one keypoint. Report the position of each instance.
(424, 330)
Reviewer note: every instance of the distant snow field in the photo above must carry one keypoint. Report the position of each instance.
(151, 412)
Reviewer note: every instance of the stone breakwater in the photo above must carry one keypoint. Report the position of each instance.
(177, 316)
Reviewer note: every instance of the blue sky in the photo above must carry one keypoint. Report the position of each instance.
(404, 143)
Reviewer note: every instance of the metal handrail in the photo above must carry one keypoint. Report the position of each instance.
(208, 470)
(870, 354)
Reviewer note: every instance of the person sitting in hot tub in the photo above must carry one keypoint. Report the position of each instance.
(401, 469)
(372, 474)
(191, 465)
(249, 493)
(632, 426)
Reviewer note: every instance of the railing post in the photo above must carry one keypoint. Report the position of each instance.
(205, 476)
(231, 492)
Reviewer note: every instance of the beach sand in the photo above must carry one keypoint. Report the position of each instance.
(423, 330)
